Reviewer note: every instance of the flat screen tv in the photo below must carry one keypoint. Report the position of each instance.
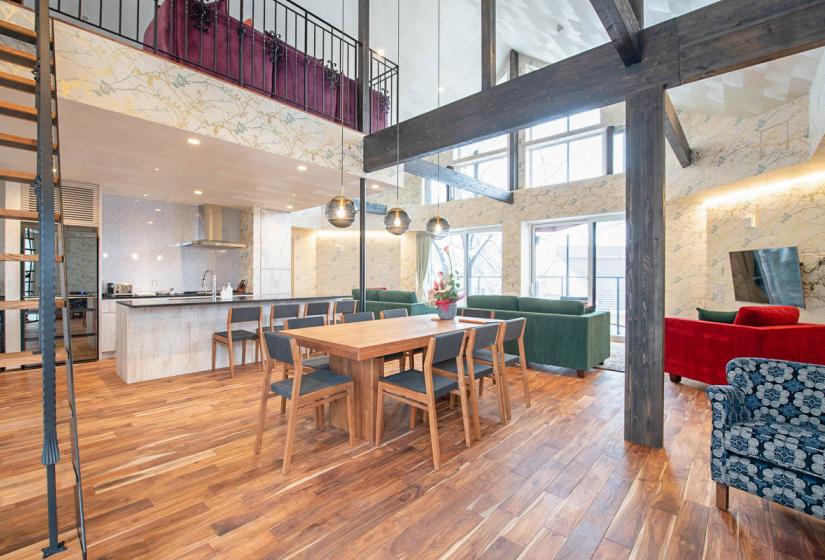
(768, 276)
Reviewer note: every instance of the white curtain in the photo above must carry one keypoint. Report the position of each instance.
(422, 263)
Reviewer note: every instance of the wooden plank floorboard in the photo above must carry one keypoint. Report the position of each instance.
(170, 473)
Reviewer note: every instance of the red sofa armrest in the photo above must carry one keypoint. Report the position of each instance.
(804, 342)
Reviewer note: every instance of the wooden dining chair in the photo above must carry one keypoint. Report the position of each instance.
(280, 312)
(304, 390)
(358, 317)
(513, 330)
(411, 354)
(419, 389)
(230, 336)
(317, 308)
(478, 313)
(342, 307)
(310, 360)
(484, 337)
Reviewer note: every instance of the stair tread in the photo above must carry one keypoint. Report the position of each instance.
(18, 32)
(15, 214)
(16, 56)
(21, 142)
(14, 81)
(27, 358)
(26, 304)
(20, 257)
(20, 176)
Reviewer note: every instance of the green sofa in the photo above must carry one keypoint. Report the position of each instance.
(381, 300)
(559, 332)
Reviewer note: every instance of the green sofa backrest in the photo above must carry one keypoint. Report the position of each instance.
(372, 295)
(397, 296)
(557, 306)
(503, 303)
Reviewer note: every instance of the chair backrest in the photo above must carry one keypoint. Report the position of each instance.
(480, 313)
(485, 336)
(514, 328)
(244, 314)
(316, 308)
(445, 347)
(359, 317)
(285, 310)
(280, 348)
(394, 313)
(305, 322)
(345, 306)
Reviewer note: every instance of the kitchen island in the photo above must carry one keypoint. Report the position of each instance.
(164, 337)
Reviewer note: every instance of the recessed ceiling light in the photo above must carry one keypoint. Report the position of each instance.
(302, 167)
(145, 195)
(197, 192)
(135, 256)
(376, 186)
(294, 195)
(150, 222)
(289, 207)
(157, 209)
(194, 141)
(159, 258)
(157, 168)
(440, 89)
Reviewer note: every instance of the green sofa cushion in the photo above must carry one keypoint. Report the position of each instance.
(557, 306)
(504, 303)
(716, 316)
(397, 296)
(372, 295)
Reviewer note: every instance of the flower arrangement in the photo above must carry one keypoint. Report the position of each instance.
(444, 294)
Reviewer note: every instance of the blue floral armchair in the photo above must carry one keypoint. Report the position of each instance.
(768, 434)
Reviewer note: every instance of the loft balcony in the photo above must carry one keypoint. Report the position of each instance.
(273, 47)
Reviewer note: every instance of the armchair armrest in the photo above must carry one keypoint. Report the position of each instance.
(728, 406)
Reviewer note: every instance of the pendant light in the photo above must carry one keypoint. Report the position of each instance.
(396, 220)
(340, 210)
(438, 227)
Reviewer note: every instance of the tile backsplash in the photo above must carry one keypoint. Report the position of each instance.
(141, 244)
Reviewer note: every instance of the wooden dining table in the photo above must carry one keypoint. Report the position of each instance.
(358, 350)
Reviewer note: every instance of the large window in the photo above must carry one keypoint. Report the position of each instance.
(566, 149)
(476, 257)
(582, 260)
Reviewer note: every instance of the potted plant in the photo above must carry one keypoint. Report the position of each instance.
(444, 293)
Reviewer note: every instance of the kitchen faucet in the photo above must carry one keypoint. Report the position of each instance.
(214, 282)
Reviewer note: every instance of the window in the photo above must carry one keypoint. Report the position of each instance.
(492, 171)
(482, 147)
(476, 257)
(566, 149)
(618, 152)
(433, 192)
(582, 260)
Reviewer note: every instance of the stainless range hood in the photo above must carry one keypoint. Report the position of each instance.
(210, 230)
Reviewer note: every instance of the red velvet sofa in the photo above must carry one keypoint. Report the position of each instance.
(700, 350)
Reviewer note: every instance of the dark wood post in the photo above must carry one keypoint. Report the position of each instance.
(364, 98)
(488, 44)
(362, 245)
(512, 138)
(645, 202)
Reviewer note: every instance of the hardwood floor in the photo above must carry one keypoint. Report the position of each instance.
(170, 473)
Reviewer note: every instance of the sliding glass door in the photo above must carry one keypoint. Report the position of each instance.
(582, 260)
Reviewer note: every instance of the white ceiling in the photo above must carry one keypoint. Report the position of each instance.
(548, 31)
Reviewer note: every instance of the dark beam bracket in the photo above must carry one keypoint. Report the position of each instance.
(430, 170)
(676, 135)
(622, 26)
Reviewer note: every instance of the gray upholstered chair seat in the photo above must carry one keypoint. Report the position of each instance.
(413, 380)
(239, 334)
(319, 362)
(479, 370)
(310, 382)
(487, 356)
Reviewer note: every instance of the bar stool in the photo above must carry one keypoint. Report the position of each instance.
(230, 336)
(305, 390)
(342, 307)
(282, 311)
(316, 308)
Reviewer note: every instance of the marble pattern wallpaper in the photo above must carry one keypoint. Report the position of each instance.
(817, 108)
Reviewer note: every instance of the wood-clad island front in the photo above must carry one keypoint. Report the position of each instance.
(166, 337)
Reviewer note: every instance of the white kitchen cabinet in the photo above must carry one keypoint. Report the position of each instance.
(107, 331)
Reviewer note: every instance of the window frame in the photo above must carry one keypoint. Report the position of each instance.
(465, 257)
(565, 138)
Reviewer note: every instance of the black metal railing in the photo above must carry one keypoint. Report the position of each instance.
(274, 47)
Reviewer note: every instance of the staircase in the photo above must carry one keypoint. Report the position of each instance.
(33, 50)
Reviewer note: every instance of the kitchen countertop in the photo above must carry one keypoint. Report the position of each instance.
(173, 301)
(147, 296)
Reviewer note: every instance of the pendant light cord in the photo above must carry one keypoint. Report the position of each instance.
(341, 90)
(397, 109)
(438, 104)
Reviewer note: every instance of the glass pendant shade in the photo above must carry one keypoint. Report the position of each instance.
(340, 211)
(438, 227)
(397, 221)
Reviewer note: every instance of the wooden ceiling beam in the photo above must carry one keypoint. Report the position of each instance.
(724, 36)
(622, 26)
(447, 175)
(675, 135)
